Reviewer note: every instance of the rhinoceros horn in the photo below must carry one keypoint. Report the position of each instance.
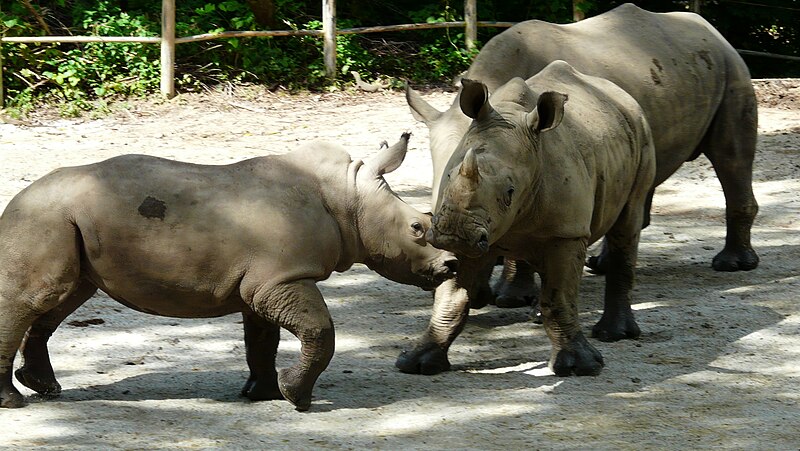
(469, 167)
(388, 158)
(474, 99)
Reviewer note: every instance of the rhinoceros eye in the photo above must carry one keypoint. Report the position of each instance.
(417, 229)
(508, 195)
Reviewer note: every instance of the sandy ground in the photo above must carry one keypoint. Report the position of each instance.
(718, 363)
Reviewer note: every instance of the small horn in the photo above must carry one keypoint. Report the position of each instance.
(469, 167)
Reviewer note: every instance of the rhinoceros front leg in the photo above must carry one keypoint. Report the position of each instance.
(299, 308)
(14, 321)
(451, 306)
(261, 339)
(562, 263)
(36, 371)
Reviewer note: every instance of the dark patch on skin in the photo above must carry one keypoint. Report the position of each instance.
(658, 64)
(655, 77)
(704, 55)
(153, 208)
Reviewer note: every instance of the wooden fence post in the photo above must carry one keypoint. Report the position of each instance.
(329, 37)
(471, 19)
(168, 48)
(2, 94)
(577, 10)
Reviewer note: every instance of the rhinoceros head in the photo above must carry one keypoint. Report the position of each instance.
(494, 167)
(393, 232)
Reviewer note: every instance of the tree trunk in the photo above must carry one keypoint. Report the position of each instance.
(264, 11)
(577, 10)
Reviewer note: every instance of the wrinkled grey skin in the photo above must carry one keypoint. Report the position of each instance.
(694, 88)
(538, 179)
(189, 241)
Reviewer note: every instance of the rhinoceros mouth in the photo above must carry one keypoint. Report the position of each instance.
(474, 246)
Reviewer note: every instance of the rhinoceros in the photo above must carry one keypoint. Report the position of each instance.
(186, 240)
(538, 179)
(693, 86)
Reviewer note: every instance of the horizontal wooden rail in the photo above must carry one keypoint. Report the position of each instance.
(768, 55)
(81, 39)
(246, 34)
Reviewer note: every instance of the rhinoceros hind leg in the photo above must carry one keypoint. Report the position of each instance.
(599, 264)
(36, 371)
(580, 358)
(516, 286)
(732, 260)
(298, 307)
(730, 145)
(427, 359)
(261, 340)
(611, 328)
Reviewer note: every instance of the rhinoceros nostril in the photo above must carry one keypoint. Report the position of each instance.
(483, 242)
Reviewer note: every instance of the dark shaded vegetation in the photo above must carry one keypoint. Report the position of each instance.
(79, 74)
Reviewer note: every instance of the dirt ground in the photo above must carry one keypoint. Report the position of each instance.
(718, 363)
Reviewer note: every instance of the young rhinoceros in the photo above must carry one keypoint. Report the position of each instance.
(538, 179)
(185, 240)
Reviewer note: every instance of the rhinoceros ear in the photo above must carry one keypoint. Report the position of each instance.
(420, 109)
(548, 113)
(469, 167)
(474, 99)
(388, 158)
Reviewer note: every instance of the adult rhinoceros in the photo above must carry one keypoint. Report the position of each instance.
(538, 180)
(692, 85)
(186, 240)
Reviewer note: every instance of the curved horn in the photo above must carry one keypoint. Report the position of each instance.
(469, 167)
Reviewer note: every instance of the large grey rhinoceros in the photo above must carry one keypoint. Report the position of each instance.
(693, 86)
(186, 240)
(536, 179)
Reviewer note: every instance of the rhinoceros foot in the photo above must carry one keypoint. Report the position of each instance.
(290, 382)
(580, 358)
(256, 390)
(426, 359)
(43, 382)
(617, 327)
(11, 398)
(597, 264)
(511, 295)
(516, 286)
(735, 260)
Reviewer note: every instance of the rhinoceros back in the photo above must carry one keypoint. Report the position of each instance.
(675, 65)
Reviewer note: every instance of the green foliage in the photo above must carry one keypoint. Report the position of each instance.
(84, 76)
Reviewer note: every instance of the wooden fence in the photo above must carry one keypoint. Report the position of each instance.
(168, 40)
